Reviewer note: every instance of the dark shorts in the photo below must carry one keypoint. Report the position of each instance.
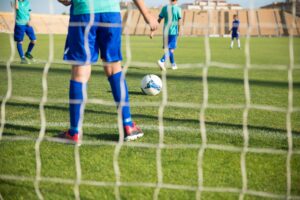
(21, 30)
(235, 35)
(103, 37)
(172, 42)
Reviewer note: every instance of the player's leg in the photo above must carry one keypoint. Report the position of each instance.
(120, 93)
(232, 42)
(239, 42)
(109, 39)
(172, 59)
(77, 96)
(19, 33)
(161, 62)
(172, 46)
(164, 57)
(30, 33)
(81, 58)
(118, 83)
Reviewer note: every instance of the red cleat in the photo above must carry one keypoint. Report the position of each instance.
(66, 135)
(132, 132)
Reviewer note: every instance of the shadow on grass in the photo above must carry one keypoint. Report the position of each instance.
(137, 93)
(12, 129)
(188, 78)
(132, 93)
(59, 108)
(16, 185)
(115, 137)
(103, 136)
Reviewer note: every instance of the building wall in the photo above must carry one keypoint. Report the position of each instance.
(262, 22)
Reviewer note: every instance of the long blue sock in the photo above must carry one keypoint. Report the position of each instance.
(75, 93)
(115, 84)
(172, 59)
(163, 58)
(20, 49)
(30, 47)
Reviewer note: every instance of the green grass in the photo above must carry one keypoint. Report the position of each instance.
(265, 172)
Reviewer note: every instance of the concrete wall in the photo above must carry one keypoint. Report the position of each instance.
(263, 22)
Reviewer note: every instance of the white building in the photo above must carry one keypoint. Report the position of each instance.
(211, 5)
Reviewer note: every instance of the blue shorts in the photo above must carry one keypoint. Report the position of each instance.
(172, 42)
(235, 35)
(20, 31)
(104, 36)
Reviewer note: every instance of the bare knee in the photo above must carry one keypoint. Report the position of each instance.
(81, 73)
(112, 68)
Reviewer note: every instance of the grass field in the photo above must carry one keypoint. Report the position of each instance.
(221, 169)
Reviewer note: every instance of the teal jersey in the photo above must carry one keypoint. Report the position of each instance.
(23, 12)
(94, 6)
(176, 16)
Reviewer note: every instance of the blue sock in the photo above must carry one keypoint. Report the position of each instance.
(30, 47)
(163, 59)
(75, 93)
(172, 59)
(115, 83)
(20, 49)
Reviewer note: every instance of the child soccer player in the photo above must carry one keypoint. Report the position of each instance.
(23, 27)
(172, 16)
(235, 31)
(96, 26)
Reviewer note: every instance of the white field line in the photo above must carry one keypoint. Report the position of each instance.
(212, 64)
(146, 185)
(156, 104)
(167, 129)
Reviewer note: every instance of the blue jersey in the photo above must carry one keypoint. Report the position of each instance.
(235, 26)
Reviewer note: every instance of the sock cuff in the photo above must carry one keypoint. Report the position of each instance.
(76, 82)
(116, 75)
(76, 89)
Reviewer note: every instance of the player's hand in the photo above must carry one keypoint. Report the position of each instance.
(65, 2)
(152, 34)
(28, 23)
(180, 33)
(152, 21)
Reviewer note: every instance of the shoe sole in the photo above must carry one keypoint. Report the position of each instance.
(31, 60)
(163, 68)
(135, 137)
(68, 140)
(130, 138)
(140, 135)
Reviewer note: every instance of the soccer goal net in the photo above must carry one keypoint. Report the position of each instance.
(225, 125)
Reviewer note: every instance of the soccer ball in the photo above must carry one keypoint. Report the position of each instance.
(151, 85)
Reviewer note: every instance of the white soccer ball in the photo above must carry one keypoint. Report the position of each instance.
(151, 85)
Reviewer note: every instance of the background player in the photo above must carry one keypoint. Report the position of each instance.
(235, 31)
(82, 53)
(173, 31)
(23, 27)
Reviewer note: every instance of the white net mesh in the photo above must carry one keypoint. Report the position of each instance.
(204, 146)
